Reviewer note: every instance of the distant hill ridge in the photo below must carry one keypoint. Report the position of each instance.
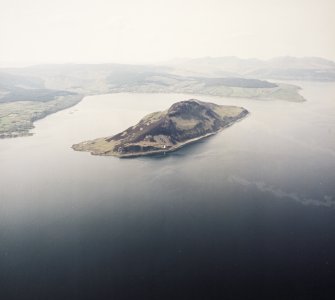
(285, 67)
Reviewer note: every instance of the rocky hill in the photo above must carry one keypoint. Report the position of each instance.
(184, 122)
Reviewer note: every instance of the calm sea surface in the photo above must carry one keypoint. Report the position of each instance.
(246, 214)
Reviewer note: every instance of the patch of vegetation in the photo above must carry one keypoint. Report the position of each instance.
(16, 118)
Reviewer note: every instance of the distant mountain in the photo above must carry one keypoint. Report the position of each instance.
(28, 94)
(215, 66)
(289, 62)
(8, 81)
(284, 68)
(14, 87)
(87, 79)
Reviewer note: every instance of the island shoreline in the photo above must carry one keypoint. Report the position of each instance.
(179, 146)
(174, 148)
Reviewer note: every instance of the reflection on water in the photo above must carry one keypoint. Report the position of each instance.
(327, 200)
(251, 207)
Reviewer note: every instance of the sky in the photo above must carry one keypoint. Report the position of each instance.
(145, 31)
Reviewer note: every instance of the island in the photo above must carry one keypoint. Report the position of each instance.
(183, 123)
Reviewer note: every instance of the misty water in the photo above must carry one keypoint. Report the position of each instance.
(251, 208)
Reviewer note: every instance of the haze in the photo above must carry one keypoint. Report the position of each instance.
(63, 31)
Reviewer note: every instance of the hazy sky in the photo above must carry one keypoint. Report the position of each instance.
(155, 30)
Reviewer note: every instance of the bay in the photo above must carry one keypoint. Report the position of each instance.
(249, 210)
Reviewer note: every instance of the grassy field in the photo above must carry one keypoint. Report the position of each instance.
(16, 118)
